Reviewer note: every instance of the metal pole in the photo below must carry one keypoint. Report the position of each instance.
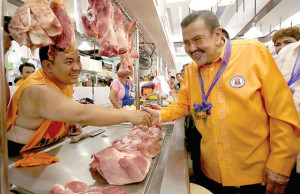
(4, 186)
(136, 73)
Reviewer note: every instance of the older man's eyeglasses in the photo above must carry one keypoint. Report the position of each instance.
(195, 41)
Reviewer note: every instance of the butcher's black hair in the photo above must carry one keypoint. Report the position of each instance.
(209, 18)
(27, 65)
(173, 77)
(43, 52)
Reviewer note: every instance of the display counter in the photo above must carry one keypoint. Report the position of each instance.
(168, 172)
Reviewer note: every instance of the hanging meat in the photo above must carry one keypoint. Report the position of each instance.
(73, 187)
(120, 31)
(34, 24)
(99, 22)
(130, 27)
(66, 41)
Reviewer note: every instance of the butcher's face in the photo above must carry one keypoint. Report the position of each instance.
(200, 44)
(66, 69)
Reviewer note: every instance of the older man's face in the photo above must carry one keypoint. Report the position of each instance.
(200, 44)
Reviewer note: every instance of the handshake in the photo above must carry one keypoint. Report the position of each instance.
(144, 118)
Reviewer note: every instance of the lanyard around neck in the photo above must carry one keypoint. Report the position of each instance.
(223, 66)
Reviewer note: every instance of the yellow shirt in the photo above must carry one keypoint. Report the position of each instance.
(19, 82)
(253, 121)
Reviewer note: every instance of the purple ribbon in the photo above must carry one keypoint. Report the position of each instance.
(207, 106)
(204, 107)
(295, 73)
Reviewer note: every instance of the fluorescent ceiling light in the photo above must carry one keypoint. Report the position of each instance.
(202, 4)
(253, 32)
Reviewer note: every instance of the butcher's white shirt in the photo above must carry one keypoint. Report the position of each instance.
(285, 60)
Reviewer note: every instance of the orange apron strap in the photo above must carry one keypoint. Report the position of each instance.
(37, 136)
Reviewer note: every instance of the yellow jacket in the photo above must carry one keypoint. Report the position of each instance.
(253, 121)
(49, 131)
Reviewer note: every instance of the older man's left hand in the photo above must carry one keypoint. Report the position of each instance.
(274, 182)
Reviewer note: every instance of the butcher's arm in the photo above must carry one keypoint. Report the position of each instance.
(49, 103)
(113, 99)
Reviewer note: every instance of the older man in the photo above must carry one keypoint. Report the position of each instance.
(42, 105)
(242, 107)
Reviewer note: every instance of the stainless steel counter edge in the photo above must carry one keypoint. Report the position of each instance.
(176, 170)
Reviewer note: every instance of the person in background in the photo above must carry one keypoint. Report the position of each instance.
(119, 95)
(179, 79)
(288, 61)
(285, 36)
(140, 79)
(145, 79)
(147, 89)
(109, 82)
(182, 70)
(172, 85)
(242, 106)
(101, 83)
(225, 33)
(43, 104)
(88, 83)
(26, 69)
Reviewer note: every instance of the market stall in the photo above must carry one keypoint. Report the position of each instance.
(168, 169)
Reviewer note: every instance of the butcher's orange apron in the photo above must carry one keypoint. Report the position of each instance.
(18, 83)
(49, 131)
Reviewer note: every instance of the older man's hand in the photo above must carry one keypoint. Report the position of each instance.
(154, 114)
(274, 182)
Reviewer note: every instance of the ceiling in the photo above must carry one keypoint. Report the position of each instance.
(159, 20)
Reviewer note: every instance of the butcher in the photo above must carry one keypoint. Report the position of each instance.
(42, 106)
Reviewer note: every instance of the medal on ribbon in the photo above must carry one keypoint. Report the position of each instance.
(202, 111)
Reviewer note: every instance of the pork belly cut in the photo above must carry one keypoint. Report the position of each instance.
(121, 167)
(78, 187)
(138, 140)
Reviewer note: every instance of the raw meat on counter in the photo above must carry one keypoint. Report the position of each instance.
(66, 40)
(73, 187)
(34, 24)
(128, 160)
(138, 141)
(121, 167)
